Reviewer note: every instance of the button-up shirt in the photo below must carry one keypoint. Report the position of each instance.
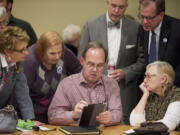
(74, 88)
(114, 40)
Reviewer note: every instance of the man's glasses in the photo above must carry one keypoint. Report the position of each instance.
(148, 77)
(148, 18)
(93, 65)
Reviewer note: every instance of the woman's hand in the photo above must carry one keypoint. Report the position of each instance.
(38, 123)
(143, 88)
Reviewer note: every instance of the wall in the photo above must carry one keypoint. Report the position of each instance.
(45, 15)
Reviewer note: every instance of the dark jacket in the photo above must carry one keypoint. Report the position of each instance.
(169, 44)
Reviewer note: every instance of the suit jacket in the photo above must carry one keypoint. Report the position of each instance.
(130, 59)
(25, 26)
(16, 84)
(169, 44)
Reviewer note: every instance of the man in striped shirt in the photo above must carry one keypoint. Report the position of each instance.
(87, 87)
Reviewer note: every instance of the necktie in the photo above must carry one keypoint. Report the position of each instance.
(152, 52)
(112, 24)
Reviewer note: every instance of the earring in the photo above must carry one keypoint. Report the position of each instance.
(162, 86)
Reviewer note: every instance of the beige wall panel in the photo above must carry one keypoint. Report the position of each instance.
(45, 15)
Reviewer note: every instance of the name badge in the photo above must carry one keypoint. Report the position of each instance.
(59, 70)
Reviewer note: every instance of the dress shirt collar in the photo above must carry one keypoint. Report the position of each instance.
(4, 61)
(109, 20)
(83, 81)
(158, 29)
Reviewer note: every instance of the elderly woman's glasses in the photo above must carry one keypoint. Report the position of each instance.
(148, 77)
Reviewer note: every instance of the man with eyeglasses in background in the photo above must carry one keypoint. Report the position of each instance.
(3, 24)
(118, 34)
(160, 35)
(13, 21)
(87, 87)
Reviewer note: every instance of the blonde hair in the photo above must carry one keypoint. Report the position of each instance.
(10, 36)
(163, 67)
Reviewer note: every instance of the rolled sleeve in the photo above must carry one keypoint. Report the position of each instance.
(172, 116)
(22, 97)
(135, 119)
(114, 103)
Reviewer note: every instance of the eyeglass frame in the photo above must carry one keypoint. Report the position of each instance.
(20, 51)
(149, 18)
(93, 65)
(148, 77)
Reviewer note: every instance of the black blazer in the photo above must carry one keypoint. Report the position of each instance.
(169, 44)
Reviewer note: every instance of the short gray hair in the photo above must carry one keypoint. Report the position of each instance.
(69, 31)
(2, 11)
(163, 67)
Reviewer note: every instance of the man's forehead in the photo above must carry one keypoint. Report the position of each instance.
(151, 9)
(94, 51)
(118, 2)
(150, 4)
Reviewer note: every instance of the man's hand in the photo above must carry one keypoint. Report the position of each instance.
(104, 117)
(78, 109)
(117, 74)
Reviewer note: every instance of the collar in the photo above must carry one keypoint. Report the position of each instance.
(4, 61)
(108, 19)
(83, 81)
(158, 29)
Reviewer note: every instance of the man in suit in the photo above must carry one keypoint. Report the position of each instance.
(118, 35)
(13, 21)
(167, 33)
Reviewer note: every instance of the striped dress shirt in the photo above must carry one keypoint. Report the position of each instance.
(74, 88)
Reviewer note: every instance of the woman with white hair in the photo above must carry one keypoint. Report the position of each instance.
(71, 37)
(3, 17)
(161, 99)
